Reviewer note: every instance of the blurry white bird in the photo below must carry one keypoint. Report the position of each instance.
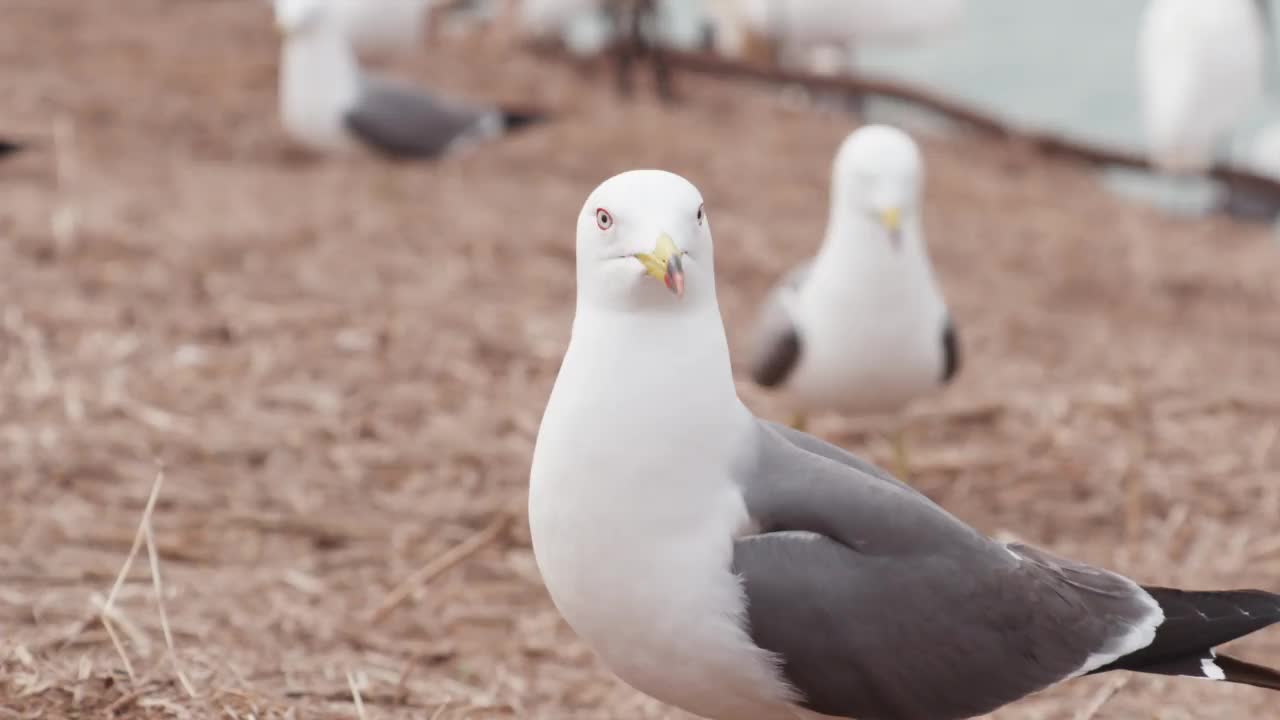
(328, 103)
(381, 25)
(1200, 69)
(374, 25)
(862, 328)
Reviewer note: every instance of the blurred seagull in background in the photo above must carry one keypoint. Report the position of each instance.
(328, 103)
(862, 327)
(1200, 70)
(742, 570)
(633, 28)
(372, 26)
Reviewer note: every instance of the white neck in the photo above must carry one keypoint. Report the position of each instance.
(633, 508)
(857, 259)
(679, 356)
(319, 81)
(634, 387)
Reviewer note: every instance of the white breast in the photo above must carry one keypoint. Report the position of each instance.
(633, 527)
(664, 613)
(319, 81)
(870, 342)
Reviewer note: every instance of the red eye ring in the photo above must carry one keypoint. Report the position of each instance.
(604, 220)
(702, 213)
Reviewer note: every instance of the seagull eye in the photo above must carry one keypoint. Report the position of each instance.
(603, 219)
(702, 213)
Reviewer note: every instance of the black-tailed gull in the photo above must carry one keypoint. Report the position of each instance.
(743, 570)
(861, 328)
(327, 102)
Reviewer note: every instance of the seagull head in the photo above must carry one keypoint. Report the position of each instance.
(644, 242)
(297, 16)
(877, 177)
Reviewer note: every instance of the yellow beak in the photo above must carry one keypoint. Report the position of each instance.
(664, 264)
(891, 219)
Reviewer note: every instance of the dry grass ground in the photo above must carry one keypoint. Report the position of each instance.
(342, 365)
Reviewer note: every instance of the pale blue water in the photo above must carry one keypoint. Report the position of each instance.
(1069, 66)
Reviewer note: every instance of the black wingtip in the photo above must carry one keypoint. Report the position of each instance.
(772, 367)
(1195, 623)
(513, 119)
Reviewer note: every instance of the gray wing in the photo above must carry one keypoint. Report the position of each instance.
(402, 121)
(777, 340)
(884, 606)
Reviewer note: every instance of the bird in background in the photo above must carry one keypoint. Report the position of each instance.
(375, 26)
(1200, 71)
(328, 103)
(861, 328)
(743, 570)
(633, 30)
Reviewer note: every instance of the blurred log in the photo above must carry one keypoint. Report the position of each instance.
(1042, 141)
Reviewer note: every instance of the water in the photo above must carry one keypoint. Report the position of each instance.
(1069, 67)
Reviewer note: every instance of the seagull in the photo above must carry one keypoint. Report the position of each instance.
(373, 26)
(743, 570)
(862, 327)
(1200, 70)
(328, 103)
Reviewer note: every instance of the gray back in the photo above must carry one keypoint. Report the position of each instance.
(402, 121)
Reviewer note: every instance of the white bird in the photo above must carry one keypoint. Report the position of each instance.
(373, 25)
(1200, 70)
(328, 103)
(862, 328)
(381, 25)
(742, 570)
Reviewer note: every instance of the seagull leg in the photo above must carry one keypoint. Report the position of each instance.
(901, 458)
(798, 421)
(648, 10)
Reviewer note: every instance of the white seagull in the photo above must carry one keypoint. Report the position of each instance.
(742, 570)
(862, 327)
(1200, 70)
(328, 103)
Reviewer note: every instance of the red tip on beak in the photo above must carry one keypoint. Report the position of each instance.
(674, 278)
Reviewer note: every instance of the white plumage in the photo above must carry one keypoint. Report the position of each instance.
(379, 25)
(629, 569)
(1200, 70)
(373, 25)
(869, 323)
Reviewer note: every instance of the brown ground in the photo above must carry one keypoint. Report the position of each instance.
(342, 365)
